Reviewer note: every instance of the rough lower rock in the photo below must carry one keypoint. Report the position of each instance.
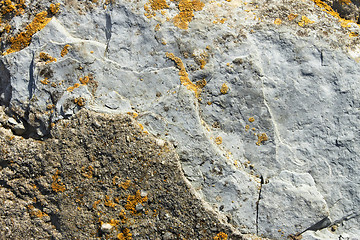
(260, 99)
(86, 181)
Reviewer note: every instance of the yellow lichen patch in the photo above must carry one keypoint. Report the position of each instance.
(186, 14)
(158, 4)
(304, 21)
(125, 185)
(220, 20)
(133, 200)
(50, 106)
(125, 235)
(218, 140)
(292, 16)
(184, 77)
(57, 185)
(84, 80)
(8, 6)
(80, 101)
(7, 28)
(277, 21)
(201, 58)
(95, 204)
(201, 83)
(108, 202)
(133, 114)
(353, 34)
(87, 172)
(45, 81)
(261, 138)
(326, 8)
(65, 50)
(45, 57)
(221, 236)
(247, 127)
(123, 216)
(23, 39)
(224, 89)
(54, 8)
(114, 222)
(36, 212)
(251, 119)
(70, 89)
(155, 5)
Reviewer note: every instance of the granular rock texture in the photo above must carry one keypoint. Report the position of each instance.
(94, 170)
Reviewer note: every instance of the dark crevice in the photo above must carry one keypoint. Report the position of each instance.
(108, 30)
(5, 85)
(257, 205)
(32, 84)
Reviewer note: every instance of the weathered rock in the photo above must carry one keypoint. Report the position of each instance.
(86, 182)
(254, 97)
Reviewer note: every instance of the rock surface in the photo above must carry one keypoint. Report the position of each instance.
(259, 99)
(87, 180)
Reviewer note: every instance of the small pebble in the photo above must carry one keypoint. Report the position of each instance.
(106, 227)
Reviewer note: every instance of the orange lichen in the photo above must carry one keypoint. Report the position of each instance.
(108, 202)
(36, 212)
(84, 80)
(201, 83)
(154, 5)
(247, 127)
(123, 216)
(292, 16)
(23, 39)
(80, 101)
(186, 14)
(158, 4)
(45, 57)
(45, 81)
(114, 222)
(65, 50)
(277, 21)
(125, 185)
(70, 89)
(54, 8)
(133, 114)
(7, 28)
(8, 6)
(96, 203)
(57, 185)
(304, 21)
(218, 140)
(251, 119)
(261, 138)
(220, 20)
(125, 235)
(133, 200)
(326, 8)
(224, 89)
(353, 34)
(88, 172)
(184, 77)
(221, 236)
